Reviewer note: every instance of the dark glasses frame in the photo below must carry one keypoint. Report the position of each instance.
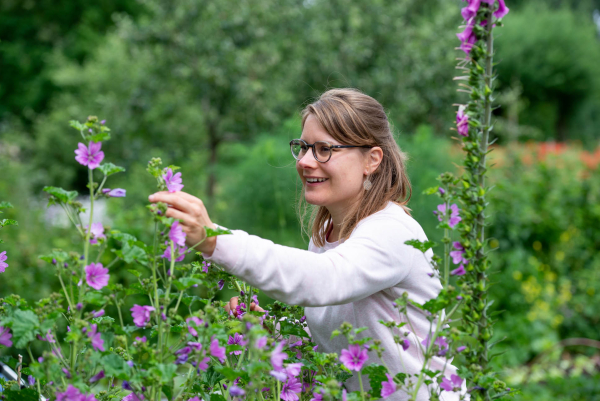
(297, 142)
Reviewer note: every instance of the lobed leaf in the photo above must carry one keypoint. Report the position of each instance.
(110, 169)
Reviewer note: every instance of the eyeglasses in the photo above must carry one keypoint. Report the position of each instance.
(321, 149)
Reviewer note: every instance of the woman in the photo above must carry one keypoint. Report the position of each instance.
(357, 262)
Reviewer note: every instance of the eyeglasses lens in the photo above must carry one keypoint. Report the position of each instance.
(299, 149)
(323, 151)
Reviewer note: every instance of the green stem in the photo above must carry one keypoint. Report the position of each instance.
(86, 244)
(65, 291)
(37, 382)
(362, 391)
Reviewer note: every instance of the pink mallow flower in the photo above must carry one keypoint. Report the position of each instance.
(179, 252)
(3, 264)
(462, 122)
(73, 394)
(195, 322)
(173, 181)
(216, 350)
(5, 337)
(97, 341)
(388, 387)
(277, 357)
(453, 384)
(236, 339)
(97, 232)
(354, 357)
(96, 276)
(115, 193)
(90, 155)
(290, 390)
(176, 234)
(141, 314)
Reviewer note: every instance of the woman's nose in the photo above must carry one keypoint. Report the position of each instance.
(308, 160)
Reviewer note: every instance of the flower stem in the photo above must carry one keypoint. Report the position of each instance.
(362, 391)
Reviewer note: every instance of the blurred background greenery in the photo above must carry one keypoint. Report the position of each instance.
(216, 88)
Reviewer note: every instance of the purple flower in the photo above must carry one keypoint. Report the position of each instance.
(236, 339)
(453, 384)
(261, 342)
(40, 359)
(178, 251)
(405, 344)
(317, 397)
(79, 306)
(173, 181)
(502, 10)
(195, 399)
(141, 314)
(176, 234)
(5, 337)
(471, 10)
(141, 339)
(73, 394)
(126, 386)
(388, 387)
(182, 355)
(97, 342)
(461, 348)
(467, 37)
(96, 276)
(221, 283)
(89, 156)
(277, 357)
(205, 266)
(457, 255)
(132, 397)
(294, 369)
(291, 389)
(31, 380)
(115, 193)
(98, 314)
(279, 375)
(196, 322)
(216, 350)
(354, 358)
(441, 190)
(454, 217)
(236, 391)
(462, 122)
(460, 271)
(3, 265)
(97, 377)
(66, 372)
(443, 346)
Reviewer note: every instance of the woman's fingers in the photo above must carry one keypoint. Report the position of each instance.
(176, 199)
(256, 308)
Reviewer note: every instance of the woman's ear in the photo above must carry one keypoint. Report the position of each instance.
(374, 158)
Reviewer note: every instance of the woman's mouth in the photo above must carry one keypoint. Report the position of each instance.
(311, 182)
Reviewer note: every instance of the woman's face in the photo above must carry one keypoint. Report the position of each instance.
(344, 172)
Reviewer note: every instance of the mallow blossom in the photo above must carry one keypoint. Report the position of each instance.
(90, 155)
(453, 384)
(173, 182)
(5, 337)
(454, 217)
(216, 350)
(115, 193)
(179, 252)
(73, 394)
(141, 314)
(3, 264)
(388, 387)
(97, 341)
(354, 357)
(176, 234)
(277, 357)
(236, 339)
(195, 322)
(290, 390)
(96, 276)
(97, 232)
(459, 271)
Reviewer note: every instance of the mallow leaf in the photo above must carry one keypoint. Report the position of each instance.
(219, 231)
(110, 169)
(61, 194)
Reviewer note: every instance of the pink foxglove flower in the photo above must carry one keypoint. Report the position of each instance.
(5, 337)
(89, 156)
(502, 10)
(141, 314)
(454, 211)
(216, 350)
(173, 181)
(388, 387)
(453, 384)
(462, 122)
(96, 276)
(3, 264)
(290, 390)
(354, 357)
(277, 357)
(471, 10)
(97, 341)
(467, 37)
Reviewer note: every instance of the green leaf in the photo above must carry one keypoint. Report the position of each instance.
(25, 394)
(134, 288)
(430, 191)
(376, 375)
(77, 125)
(110, 169)
(186, 282)
(422, 246)
(123, 237)
(135, 272)
(134, 252)
(24, 327)
(292, 329)
(168, 391)
(103, 319)
(57, 254)
(401, 377)
(219, 231)
(115, 366)
(94, 298)
(99, 137)
(5, 205)
(60, 194)
(8, 222)
(232, 374)
(166, 372)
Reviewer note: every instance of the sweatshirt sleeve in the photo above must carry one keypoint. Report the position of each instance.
(372, 259)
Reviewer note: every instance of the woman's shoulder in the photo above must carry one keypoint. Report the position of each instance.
(392, 217)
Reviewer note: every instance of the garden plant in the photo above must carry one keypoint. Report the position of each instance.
(183, 345)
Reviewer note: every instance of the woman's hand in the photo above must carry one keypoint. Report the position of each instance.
(193, 216)
(233, 303)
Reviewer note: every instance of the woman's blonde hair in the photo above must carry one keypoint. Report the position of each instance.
(353, 118)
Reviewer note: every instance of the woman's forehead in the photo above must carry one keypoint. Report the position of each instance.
(313, 131)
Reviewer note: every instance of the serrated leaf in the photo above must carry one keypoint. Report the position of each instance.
(61, 194)
(110, 169)
(219, 231)
(24, 327)
(5, 205)
(123, 237)
(134, 252)
(376, 375)
(165, 372)
(135, 272)
(422, 246)
(115, 366)
(94, 298)
(8, 222)
(186, 282)
(134, 288)
(232, 374)
(77, 125)
(292, 329)
(99, 137)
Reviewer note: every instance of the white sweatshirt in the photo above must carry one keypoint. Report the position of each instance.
(354, 281)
